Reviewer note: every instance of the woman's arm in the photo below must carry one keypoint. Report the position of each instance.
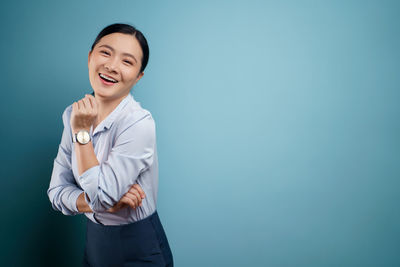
(133, 198)
(132, 153)
(63, 190)
(83, 115)
(85, 156)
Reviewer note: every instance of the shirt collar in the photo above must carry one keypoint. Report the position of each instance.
(109, 120)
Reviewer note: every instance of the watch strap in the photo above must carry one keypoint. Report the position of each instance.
(74, 138)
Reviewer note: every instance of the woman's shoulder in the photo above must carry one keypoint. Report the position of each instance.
(135, 113)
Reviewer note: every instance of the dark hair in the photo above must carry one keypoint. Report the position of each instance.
(126, 29)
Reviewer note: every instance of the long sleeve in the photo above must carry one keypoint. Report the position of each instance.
(63, 190)
(132, 153)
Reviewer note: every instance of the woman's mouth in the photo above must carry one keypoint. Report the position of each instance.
(106, 79)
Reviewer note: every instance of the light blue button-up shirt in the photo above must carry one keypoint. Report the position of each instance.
(125, 146)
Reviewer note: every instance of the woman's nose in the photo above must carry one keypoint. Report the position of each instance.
(110, 65)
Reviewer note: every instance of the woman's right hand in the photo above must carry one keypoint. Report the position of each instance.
(133, 199)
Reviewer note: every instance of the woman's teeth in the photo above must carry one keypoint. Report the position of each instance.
(108, 78)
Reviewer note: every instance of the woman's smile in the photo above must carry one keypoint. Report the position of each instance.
(107, 80)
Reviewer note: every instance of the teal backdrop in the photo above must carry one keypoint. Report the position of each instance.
(277, 127)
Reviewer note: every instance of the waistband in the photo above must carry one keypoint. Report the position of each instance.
(138, 224)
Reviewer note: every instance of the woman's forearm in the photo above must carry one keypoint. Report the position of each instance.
(85, 157)
(82, 205)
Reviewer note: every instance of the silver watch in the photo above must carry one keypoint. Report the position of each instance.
(82, 137)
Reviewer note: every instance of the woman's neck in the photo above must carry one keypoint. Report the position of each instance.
(104, 108)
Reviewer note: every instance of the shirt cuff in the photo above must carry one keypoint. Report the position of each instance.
(74, 198)
(89, 181)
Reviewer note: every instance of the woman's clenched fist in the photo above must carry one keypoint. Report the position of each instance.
(84, 113)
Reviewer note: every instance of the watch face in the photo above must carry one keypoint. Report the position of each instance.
(83, 137)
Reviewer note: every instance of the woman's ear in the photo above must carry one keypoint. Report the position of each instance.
(140, 75)
(90, 52)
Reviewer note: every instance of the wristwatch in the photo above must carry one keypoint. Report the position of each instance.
(82, 137)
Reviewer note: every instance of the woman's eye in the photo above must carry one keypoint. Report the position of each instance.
(105, 52)
(126, 61)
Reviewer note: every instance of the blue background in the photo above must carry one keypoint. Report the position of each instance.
(277, 127)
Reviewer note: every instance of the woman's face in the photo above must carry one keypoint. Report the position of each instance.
(116, 57)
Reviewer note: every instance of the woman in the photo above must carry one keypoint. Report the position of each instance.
(106, 166)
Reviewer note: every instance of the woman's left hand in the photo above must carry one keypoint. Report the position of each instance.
(84, 113)
(133, 198)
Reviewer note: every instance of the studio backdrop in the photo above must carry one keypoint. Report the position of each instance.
(277, 127)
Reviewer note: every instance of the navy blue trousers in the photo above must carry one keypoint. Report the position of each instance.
(141, 243)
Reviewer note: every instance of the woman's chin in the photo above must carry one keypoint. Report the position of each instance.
(105, 95)
(102, 92)
(109, 93)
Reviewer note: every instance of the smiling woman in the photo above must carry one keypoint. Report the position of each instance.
(116, 63)
(107, 166)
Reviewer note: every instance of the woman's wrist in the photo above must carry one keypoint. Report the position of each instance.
(75, 130)
(82, 205)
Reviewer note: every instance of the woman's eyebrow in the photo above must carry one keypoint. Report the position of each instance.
(112, 49)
